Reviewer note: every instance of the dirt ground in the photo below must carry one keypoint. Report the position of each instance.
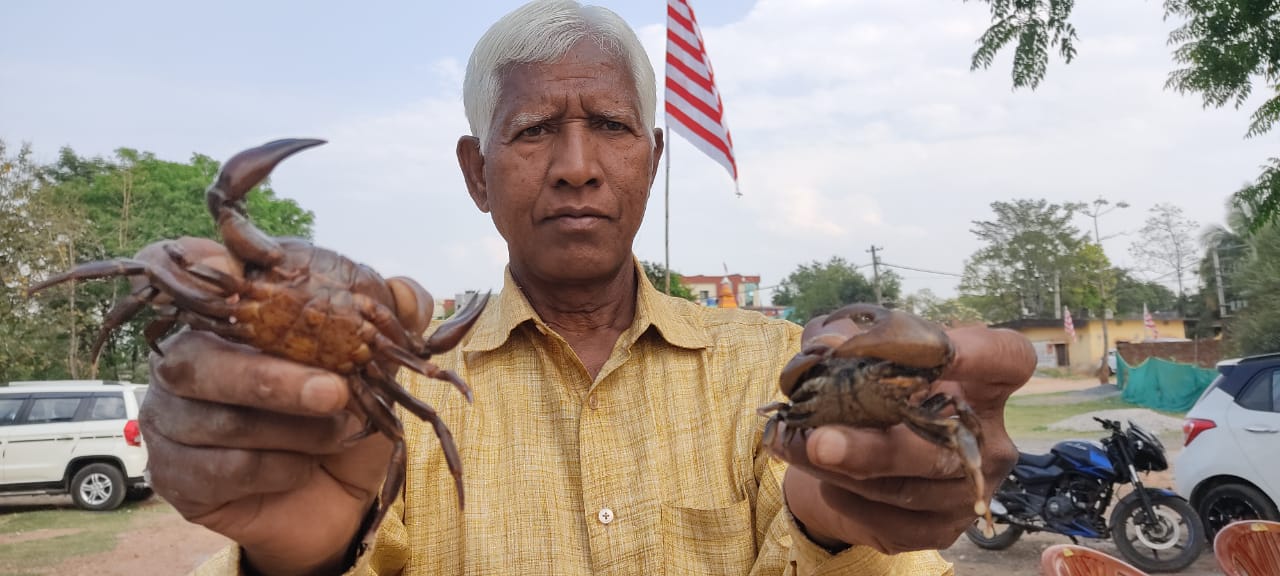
(164, 543)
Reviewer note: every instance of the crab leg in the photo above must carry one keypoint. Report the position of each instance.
(126, 308)
(225, 199)
(427, 414)
(381, 417)
(960, 437)
(94, 271)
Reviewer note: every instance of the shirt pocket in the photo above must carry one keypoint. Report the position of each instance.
(708, 541)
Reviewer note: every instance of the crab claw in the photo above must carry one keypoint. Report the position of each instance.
(904, 339)
(246, 169)
(451, 332)
(794, 369)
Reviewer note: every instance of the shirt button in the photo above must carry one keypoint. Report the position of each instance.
(605, 516)
(593, 401)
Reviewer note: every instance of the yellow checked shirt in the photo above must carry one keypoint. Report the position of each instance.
(655, 467)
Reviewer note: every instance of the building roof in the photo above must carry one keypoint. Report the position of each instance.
(1078, 323)
(735, 278)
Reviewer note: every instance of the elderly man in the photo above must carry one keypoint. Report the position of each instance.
(613, 429)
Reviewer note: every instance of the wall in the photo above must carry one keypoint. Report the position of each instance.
(1205, 353)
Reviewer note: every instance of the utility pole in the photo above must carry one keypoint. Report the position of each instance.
(1217, 275)
(1057, 295)
(1099, 209)
(875, 271)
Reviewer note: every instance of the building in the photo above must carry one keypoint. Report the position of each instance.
(1054, 347)
(745, 289)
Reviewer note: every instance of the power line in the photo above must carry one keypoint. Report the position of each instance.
(926, 271)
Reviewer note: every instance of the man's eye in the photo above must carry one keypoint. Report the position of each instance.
(533, 131)
(614, 126)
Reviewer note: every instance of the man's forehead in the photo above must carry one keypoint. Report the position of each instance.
(547, 87)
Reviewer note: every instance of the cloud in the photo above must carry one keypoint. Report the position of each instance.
(856, 123)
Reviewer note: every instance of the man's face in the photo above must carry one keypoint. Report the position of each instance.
(566, 168)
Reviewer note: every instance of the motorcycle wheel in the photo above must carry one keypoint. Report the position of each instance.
(1169, 544)
(1004, 537)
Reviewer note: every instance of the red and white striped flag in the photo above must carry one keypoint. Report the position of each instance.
(693, 104)
(1149, 322)
(1067, 324)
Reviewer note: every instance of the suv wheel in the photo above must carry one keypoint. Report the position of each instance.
(1226, 503)
(98, 487)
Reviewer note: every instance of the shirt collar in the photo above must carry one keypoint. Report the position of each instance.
(673, 318)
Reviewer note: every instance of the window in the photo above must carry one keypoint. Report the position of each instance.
(107, 408)
(1261, 393)
(1275, 391)
(9, 410)
(45, 410)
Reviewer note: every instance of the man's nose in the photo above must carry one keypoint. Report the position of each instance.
(575, 163)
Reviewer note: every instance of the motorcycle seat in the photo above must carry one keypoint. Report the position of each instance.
(1036, 460)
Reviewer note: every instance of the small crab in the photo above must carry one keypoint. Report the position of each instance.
(877, 378)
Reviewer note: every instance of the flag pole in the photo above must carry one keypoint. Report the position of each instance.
(666, 232)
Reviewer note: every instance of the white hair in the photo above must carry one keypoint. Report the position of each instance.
(544, 31)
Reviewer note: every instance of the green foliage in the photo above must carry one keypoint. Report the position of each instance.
(816, 288)
(102, 208)
(657, 276)
(1256, 328)
(36, 235)
(1038, 26)
(1026, 246)
(1131, 293)
(1222, 46)
(949, 312)
(1261, 199)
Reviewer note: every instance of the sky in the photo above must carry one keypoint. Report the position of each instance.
(855, 123)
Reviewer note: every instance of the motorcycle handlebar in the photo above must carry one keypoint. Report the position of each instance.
(1108, 424)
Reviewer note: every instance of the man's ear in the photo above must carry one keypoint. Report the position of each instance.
(659, 144)
(472, 164)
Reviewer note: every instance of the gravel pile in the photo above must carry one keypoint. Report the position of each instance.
(1154, 422)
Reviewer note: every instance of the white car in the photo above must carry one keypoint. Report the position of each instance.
(1230, 465)
(77, 437)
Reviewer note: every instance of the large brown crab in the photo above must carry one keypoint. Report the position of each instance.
(289, 298)
(877, 378)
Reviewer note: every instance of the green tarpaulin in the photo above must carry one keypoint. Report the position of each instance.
(1162, 385)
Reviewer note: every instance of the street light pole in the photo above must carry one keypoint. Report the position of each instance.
(1100, 209)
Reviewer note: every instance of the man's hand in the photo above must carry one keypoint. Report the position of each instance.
(890, 489)
(252, 447)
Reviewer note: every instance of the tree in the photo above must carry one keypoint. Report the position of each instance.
(36, 236)
(1131, 294)
(112, 208)
(1256, 329)
(948, 312)
(1029, 249)
(814, 289)
(1166, 246)
(1222, 46)
(657, 276)
(1226, 250)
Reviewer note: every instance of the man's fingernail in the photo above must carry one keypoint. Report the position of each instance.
(831, 447)
(320, 394)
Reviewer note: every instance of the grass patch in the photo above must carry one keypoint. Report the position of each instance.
(1065, 373)
(94, 532)
(1029, 416)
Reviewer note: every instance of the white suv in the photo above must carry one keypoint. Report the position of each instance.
(74, 436)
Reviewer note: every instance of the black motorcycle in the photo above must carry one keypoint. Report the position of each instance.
(1069, 490)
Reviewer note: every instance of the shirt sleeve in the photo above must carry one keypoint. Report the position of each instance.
(387, 557)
